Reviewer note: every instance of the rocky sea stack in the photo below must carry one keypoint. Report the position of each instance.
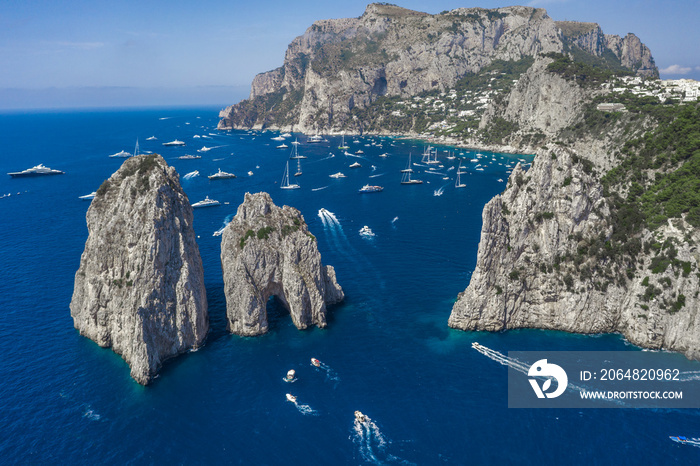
(140, 285)
(268, 251)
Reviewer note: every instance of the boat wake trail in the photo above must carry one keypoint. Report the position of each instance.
(522, 367)
(440, 190)
(337, 236)
(318, 189)
(331, 375)
(374, 176)
(190, 175)
(227, 220)
(306, 410)
(371, 443)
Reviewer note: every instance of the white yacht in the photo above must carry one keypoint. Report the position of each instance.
(38, 170)
(458, 182)
(356, 165)
(337, 175)
(204, 149)
(282, 146)
(221, 175)
(315, 139)
(174, 143)
(121, 155)
(189, 157)
(206, 203)
(88, 197)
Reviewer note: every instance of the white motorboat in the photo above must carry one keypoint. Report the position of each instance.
(88, 197)
(206, 203)
(337, 175)
(221, 175)
(174, 143)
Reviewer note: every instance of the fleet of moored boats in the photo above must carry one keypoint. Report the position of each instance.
(429, 158)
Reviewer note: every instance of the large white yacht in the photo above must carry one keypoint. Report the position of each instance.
(206, 203)
(38, 170)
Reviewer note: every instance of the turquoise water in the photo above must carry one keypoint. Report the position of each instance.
(387, 350)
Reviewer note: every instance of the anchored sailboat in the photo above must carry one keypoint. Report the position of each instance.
(406, 177)
(285, 180)
(298, 173)
(458, 182)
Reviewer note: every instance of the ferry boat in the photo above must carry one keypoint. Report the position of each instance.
(38, 170)
(370, 189)
(174, 143)
(221, 175)
(206, 203)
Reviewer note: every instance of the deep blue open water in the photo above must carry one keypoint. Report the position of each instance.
(387, 350)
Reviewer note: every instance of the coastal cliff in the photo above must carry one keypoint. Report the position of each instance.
(601, 234)
(140, 285)
(341, 65)
(268, 251)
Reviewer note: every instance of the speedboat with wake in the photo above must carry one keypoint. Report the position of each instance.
(291, 398)
(315, 361)
(38, 170)
(88, 197)
(291, 376)
(361, 417)
(366, 232)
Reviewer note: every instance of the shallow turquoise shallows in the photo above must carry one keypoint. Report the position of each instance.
(387, 351)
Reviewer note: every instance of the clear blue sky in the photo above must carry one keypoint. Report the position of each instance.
(79, 53)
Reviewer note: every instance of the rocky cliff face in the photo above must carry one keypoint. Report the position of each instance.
(551, 255)
(342, 64)
(540, 101)
(140, 286)
(628, 52)
(536, 267)
(267, 250)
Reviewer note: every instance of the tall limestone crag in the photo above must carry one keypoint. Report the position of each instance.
(140, 285)
(340, 65)
(267, 250)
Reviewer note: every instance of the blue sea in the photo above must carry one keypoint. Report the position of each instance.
(387, 350)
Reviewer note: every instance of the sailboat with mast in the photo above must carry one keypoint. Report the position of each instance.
(298, 172)
(458, 182)
(285, 180)
(295, 152)
(342, 145)
(406, 177)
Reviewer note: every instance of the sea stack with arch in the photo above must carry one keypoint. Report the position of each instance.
(268, 251)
